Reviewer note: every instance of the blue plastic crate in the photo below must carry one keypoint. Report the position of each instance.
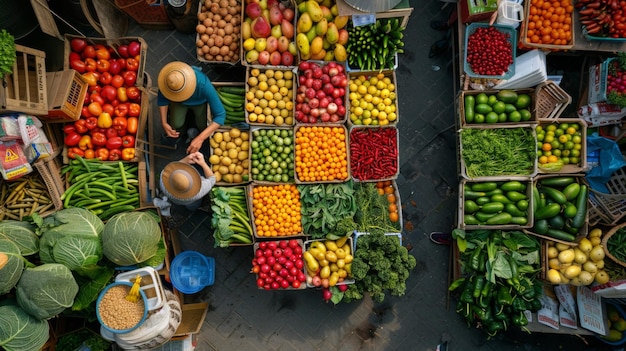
(191, 271)
(471, 28)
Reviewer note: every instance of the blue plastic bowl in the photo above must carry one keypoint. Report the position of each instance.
(622, 314)
(191, 271)
(471, 28)
(121, 331)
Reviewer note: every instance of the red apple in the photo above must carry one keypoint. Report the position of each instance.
(287, 58)
(264, 57)
(275, 58)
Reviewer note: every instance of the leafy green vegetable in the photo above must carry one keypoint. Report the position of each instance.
(12, 270)
(20, 331)
(85, 337)
(230, 219)
(7, 53)
(45, 291)
(90, 286)
(21, 233)
(498, 151)
(327, 209)
(381, 265)
(372, 212)
(130, 238)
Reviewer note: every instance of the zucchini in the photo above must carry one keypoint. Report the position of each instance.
(500, 218)
(559, 182)
(561, 235)
(469, 109)
(485, 187)
(492, 207)
(536, 199)
(554, 194)
(571, 191)
(548, 211)
(513, 185)
(581, 206)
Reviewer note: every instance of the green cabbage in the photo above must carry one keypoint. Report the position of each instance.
(131, 237)
(21, 233)
(20, 331)
(45, 291)
(12, 270)
(71, 237)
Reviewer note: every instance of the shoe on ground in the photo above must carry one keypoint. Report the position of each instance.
(439, 25)
(441, 238)
(191, 133)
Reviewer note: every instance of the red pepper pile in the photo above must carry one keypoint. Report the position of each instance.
(605, 18)
(373, 153)
(107, 127)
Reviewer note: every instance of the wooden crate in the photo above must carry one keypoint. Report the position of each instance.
(25, 89)
(66, 94)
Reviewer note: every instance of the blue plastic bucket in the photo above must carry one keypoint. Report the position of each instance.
(191, 271)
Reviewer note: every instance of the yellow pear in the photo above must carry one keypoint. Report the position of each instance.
(246, 30)
(304, 23)
(303, 44)
(326, 13)
(340, 53)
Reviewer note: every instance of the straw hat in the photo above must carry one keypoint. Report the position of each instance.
(177, 81)
(181, 180)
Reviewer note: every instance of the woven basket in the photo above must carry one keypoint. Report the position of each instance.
(550, 100)
(605, 241)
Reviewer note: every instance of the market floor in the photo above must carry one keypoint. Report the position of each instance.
(240, 316)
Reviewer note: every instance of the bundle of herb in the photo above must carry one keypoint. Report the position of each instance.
(498, 151)
(328, 209)
(7, 53)
(372, 212)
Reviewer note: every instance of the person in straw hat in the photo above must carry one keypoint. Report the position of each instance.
(184, 88)
(182, 183)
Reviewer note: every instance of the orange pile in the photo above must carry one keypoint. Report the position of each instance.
(321, 154)
(385, 188)
(550, 22)
(276, 210)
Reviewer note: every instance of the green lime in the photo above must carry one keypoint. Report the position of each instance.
(482, 98)
(499, 107)
(525, 114)
(574, 160)
(540, 136)
(502, 117)
(492, 99)
(515, 116)
(508, 108)
(479, 118)
(555, 144)
(565, 153)
(491, 117)
(523, 100)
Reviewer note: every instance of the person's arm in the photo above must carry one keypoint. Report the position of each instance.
(202, 163)
(196, 143)
(163, 104)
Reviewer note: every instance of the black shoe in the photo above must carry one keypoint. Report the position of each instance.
(439, 25)
(441, 238)
(438, 48)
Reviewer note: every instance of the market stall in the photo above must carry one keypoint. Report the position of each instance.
(532, 224)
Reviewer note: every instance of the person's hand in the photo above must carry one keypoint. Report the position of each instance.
(195, 145)
(170, 132)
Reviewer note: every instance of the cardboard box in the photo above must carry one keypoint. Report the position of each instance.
(477, 10)
(66, 95)
(24, 90)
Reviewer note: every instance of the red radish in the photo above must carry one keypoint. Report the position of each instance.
(326, 294)
(343, 287)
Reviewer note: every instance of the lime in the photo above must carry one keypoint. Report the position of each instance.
(491, 117)
(569, 145)
(525, 114)
(492, 100)
(540, 136)
(515, 116)
(499, 107)
(523, 100)
(565, 153)
(574, 160)
(479, 118)
(502, 117)
(482, 98)
(508, 108)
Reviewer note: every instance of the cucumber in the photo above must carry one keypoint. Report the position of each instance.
(470, 206)
(515, 196)
(486, 186)
(513, 185)
(492, 207)
(581, 205)
(548, 211)
(561, 235)
(469, 108)
(541, 226)
(470, 219)
(536, 199)
(507, 96)
(482, 217)
(500, 218)
(559, 182)
(554, 194)
(571, 191)
(233, 90)
(483, 109)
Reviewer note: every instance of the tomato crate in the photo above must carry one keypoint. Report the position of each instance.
(263, 225)
(275, 243)
(364, 163)
(581, 132)
(481, 204)
(526, 43)
(231, 168)
(315, 109)
(582, 232)
(211, 53)
(346, 280)
(524, 115)
(391, 109)
(66, 95)
(512, 40)
(271, 156)
(259, 95)
(24, 90)
(317, 166)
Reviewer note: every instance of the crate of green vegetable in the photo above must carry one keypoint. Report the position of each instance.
(614, 244)
(503, 203)
(496, 107)
(508, 150)
(560, 208)
(231, 219)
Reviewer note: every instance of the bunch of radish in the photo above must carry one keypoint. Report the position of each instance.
(321, 92)
(279, 265)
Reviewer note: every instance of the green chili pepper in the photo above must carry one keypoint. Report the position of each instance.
(519, 304)
(466, 295)
(455, 284)
(478, 286)
(504, 296)
(520, 319)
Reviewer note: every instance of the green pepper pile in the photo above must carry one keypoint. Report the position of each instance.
(499, 278)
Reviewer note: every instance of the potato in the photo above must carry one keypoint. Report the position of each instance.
(218, 152)
(214, 50)
(226, 161)
(228, 178)
(237, 178)
(223, 170)
(201, 28)
(233, 153)
(224, 51)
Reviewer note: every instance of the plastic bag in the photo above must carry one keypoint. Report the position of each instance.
(610, 159)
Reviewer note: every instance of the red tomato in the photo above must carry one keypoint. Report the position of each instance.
(130, 77)
(133, 93)
(134, 48)
(114, 67)
(108, 108)
(78, 65)
(117, 81)
(105, 78)
(109, 92)
(132, 64)
(89, 51)
(123, 50)
(134, 110)
(78, 44)
(102, 65)
(91, 65)
(121, 110)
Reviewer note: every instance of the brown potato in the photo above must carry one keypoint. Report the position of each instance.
(209, 57)
(224, 50)
(208, 23)
(199, 51)
(228, 29)
(228, 17)
(219, 58)
(206, 49)
(208, 3)
(204, 37)
(227, 40)
(210, 42)
(233, 3)
(210, 30)
(224, 3)
(221, 23)
(199, 43)
(201, 16)
(201, 28)
(214, 50)
(223, 11)
(233, 46)
(219, 41)
(221, 32)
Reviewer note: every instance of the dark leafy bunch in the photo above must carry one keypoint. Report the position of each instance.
(7, 52)
(372, 211)
(328, 209)
(381, 265)
(499, 278)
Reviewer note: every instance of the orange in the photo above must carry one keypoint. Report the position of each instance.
(393, 217)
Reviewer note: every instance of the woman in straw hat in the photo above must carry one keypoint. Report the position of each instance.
(184, 88)
(182, 183)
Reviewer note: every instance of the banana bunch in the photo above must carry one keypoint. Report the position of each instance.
(374, 46)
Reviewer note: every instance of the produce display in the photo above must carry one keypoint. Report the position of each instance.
(602, 19)
(321, 93)
(489, 51)
(276, 210)
(499, 279)
(374, 153)
(501, 107)
(550, 22)
(102, 188)
(559, 144)
(272, 155)
(375, 46)
(373, 99)
(616, 80)
(233, 99)
(107, 128)
(328, 262)
(278, 264)
(582, 264)
(560, 207)
(269, 96)
(498, 151)
(268, 33)
(230, 152)
(321, 32)
(218, 30)
(328, 210)
(230, 219)
(496, 203)
(23, 197)
(321, 154)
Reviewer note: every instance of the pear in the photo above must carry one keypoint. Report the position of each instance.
(321, 27)
(314, 10)
(332, 34)
(340, 53)
(246, 30)
(326, 13)
(304, 23)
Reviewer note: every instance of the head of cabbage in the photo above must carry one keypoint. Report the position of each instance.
(21, 331)
(12, 269)
(71, 237)
(21, 233)
(45, 291)
(131, 237)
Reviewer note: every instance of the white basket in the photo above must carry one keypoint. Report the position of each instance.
(150, 284)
